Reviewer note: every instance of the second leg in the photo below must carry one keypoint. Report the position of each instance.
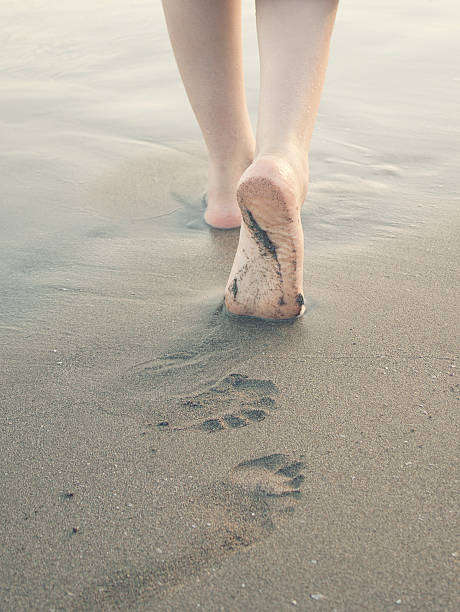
(267, 275)
(206, 38)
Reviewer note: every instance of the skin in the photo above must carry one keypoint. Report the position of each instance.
(206, 39)
(294, 38)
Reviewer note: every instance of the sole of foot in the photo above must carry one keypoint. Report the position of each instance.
(266, 280)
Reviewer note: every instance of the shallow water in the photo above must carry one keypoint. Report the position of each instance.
(95, 122)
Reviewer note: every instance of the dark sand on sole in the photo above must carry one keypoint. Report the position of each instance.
(157, 454)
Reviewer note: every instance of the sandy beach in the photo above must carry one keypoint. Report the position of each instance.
(157, 454)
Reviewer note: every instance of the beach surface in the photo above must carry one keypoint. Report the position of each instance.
(157, 454)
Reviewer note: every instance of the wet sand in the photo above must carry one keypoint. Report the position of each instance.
(159, 455)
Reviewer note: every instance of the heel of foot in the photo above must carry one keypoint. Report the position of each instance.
(221, 217)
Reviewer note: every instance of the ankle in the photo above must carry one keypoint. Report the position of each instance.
(228, 168)
(223, 177)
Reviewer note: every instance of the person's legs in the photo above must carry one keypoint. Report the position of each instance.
(206, 38)
(267, 275)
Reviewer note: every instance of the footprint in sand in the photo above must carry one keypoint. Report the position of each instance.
(234, 402)
(271, 476)
(257, 496)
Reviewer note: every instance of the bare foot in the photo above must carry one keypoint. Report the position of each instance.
(222, 211)
(267, 275)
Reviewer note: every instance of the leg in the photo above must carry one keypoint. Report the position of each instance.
(267, 275)
(206, 38)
